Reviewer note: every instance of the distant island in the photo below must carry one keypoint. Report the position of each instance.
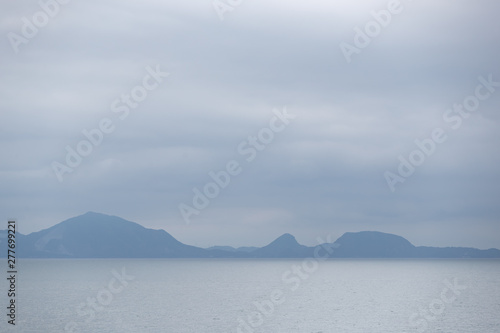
(95, 235)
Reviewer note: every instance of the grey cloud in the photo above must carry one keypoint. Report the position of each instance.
(323, 174)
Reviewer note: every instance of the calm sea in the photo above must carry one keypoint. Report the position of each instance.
(214, 296)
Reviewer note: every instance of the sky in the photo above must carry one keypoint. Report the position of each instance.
(315, 117)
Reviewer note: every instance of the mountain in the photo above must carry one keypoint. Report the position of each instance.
(222, 248)
(373, 244)
(94, 235)
(285, 246)
(455, 252)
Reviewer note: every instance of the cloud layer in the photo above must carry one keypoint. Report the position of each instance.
(323, 174)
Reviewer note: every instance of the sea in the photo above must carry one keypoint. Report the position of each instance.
(252, 295)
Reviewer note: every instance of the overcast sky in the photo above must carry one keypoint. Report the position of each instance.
(323, 172)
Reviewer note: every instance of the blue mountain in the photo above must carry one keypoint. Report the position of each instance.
(94, 235)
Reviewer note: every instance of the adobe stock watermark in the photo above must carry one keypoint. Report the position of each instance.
(363, 37)
(421, 319)
(454, 118)
(292, 280)
(30, 27)
(94, 137)
(248, 149)
(103, 298)
(222, 7)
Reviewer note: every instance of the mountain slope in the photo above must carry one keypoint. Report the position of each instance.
(285, 246)
(373, 244)
(94, 235)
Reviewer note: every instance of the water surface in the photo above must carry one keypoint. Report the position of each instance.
(225, 295)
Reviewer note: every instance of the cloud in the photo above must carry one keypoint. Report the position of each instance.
(322, 174)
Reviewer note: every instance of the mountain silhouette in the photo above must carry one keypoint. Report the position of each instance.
(373, 244)
(95, 235)
(285, 246)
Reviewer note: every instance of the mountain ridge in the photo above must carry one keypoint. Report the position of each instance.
(96, 235)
